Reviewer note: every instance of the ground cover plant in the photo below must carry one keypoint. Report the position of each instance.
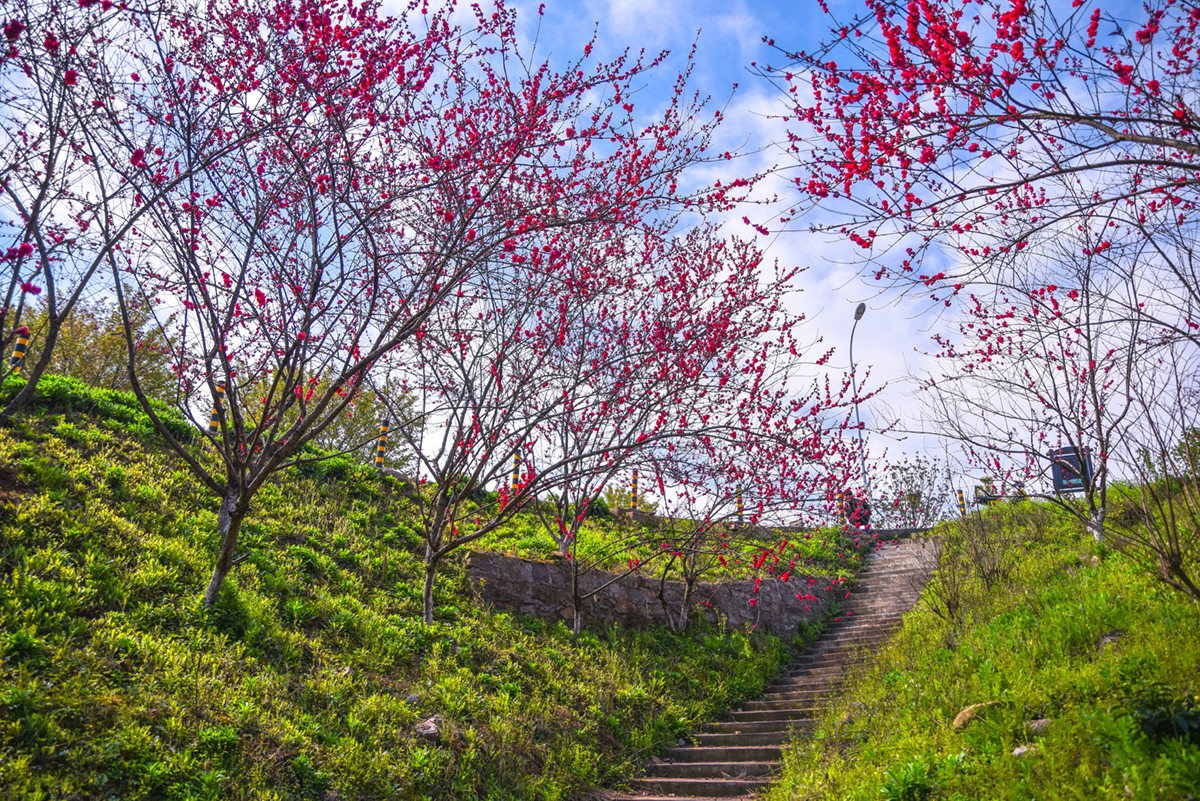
(1089, 667)
(309, 676)
(822, 551)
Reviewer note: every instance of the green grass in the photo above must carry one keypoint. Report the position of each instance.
(1048, 628)
(825, 552)
(307, 678)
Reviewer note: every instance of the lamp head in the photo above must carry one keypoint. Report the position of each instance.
(860, 311)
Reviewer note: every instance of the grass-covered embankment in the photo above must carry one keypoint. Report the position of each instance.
(309, 676)
(1102, 657)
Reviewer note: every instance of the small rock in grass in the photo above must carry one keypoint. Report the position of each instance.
(413, 699)
(1025, 750)
(1038, 726)
(433, 730)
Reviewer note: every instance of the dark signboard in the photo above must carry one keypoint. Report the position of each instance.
(1066, 471)
(986, 496)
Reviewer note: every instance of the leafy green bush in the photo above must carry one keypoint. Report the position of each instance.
(911, 781)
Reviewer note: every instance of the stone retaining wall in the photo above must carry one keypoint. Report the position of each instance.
(543, 590)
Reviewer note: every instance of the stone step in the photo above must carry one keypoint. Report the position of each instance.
(862, 601)
(721, 740)
(759, 726)
(787, 683)
(901, 568)
(780, 704)
(892, 577)
(732, 753)
(788, 711)
(844, 642)
(815, 671)
(655, 797)
(833, 661)
(691, 788)
(797, 695)
(862, 604)
(815, 678)
(843, 646)
(712, 770)
(835, 657)
(827, 685)
(856, 631)
(863, 616)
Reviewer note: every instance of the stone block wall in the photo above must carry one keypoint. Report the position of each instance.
(543, 590)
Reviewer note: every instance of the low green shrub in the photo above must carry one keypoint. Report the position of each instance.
(58, 394)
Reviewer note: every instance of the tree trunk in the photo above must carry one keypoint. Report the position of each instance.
(576, 600)
(684, 604)
(229, 520)
(22, 398)
(1096, 523)
(427, 590)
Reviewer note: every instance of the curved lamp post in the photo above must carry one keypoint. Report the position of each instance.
(862, 459)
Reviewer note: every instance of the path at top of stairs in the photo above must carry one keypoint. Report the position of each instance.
(740, 757)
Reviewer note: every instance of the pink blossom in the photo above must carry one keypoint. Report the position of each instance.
(13, 30)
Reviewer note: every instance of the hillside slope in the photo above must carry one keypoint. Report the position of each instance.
(1089, 670)
(310, 676)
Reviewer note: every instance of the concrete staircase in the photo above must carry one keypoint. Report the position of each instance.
(739, 757)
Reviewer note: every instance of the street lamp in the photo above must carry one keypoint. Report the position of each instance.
(862, 459)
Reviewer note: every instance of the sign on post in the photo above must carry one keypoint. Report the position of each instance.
(986, 496)
(1067, 472)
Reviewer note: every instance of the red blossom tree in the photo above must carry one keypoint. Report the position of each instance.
(409, 206)
(284, 258)
(62, 217)
(692, 354)
(994, 126)
(111, 110)
(1033, 372)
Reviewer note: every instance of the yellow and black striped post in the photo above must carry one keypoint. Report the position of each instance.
(18, 354)
(516, 476)
(214, 422)
(633, 500)
(962, 503)
(382, 446)
(741, 508)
